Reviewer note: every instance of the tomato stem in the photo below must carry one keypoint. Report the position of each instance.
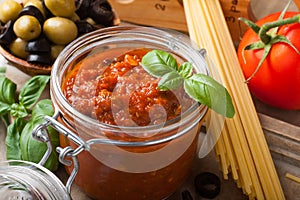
(251, 24)
(263, 32)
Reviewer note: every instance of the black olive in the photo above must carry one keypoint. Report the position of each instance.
(208, 185)
(101, 12)
(40, 44)
(84, 27)
(33, 11)
(41, 58)
(7, 34)
(82, 8)
(47, 11)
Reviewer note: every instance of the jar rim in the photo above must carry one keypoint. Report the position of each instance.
(174, 41)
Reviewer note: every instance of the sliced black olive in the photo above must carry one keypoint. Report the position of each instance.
(208, 185)
(101, 12)
(33, 11)
(42, 58)
(82, 8)
(39, 45)
(84, 27)
(7, 34)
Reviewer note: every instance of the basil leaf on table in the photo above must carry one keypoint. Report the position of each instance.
(7, 90)
(7, 97)
(33, 150)
(27, 113)
(4, 108)
(32, 90)
(14, 130)
(18, 110)
(42, 108)
(199, 87)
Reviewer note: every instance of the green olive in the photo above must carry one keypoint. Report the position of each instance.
(27, 27)
(17, 47)
(61, 8)
(74, 17)
(55, 50)
(60, 30)
(9, 10)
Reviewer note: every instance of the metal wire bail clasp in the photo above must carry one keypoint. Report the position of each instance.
(41, 134)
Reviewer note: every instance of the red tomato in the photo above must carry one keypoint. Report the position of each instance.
(277, 82)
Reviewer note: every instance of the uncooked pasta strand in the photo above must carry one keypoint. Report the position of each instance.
(249, 116)
(204, 41)
(258, 176)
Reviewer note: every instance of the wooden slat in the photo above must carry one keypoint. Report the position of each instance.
(170, 14)
(280, 128)
(283, 138)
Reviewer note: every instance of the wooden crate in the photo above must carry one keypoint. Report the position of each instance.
(170, 14)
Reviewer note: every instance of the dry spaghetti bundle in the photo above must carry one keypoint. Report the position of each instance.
(241, 148)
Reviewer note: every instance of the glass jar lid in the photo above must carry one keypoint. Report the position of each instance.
(30, 181)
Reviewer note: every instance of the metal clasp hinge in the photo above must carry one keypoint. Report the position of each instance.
(41, 134)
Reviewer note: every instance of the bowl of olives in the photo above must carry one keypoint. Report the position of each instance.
(34, 32)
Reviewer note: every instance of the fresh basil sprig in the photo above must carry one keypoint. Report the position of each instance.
(199, 87)
(26, 111)
(33, 150)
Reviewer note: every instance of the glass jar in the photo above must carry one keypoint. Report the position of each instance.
(127, 162)
(26, 180)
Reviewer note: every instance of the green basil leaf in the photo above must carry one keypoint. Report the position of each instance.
(7, 90)
(185, 70)
(169, 81)
(32, 90)
(5, 119)
(158, 63)
(14, 130)
(18, 111)
(4, 108)
(33, 150)
(197, 90)
(209, 92)
(200, 87)
(42, 108)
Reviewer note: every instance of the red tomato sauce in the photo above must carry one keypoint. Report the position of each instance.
(122, 93)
